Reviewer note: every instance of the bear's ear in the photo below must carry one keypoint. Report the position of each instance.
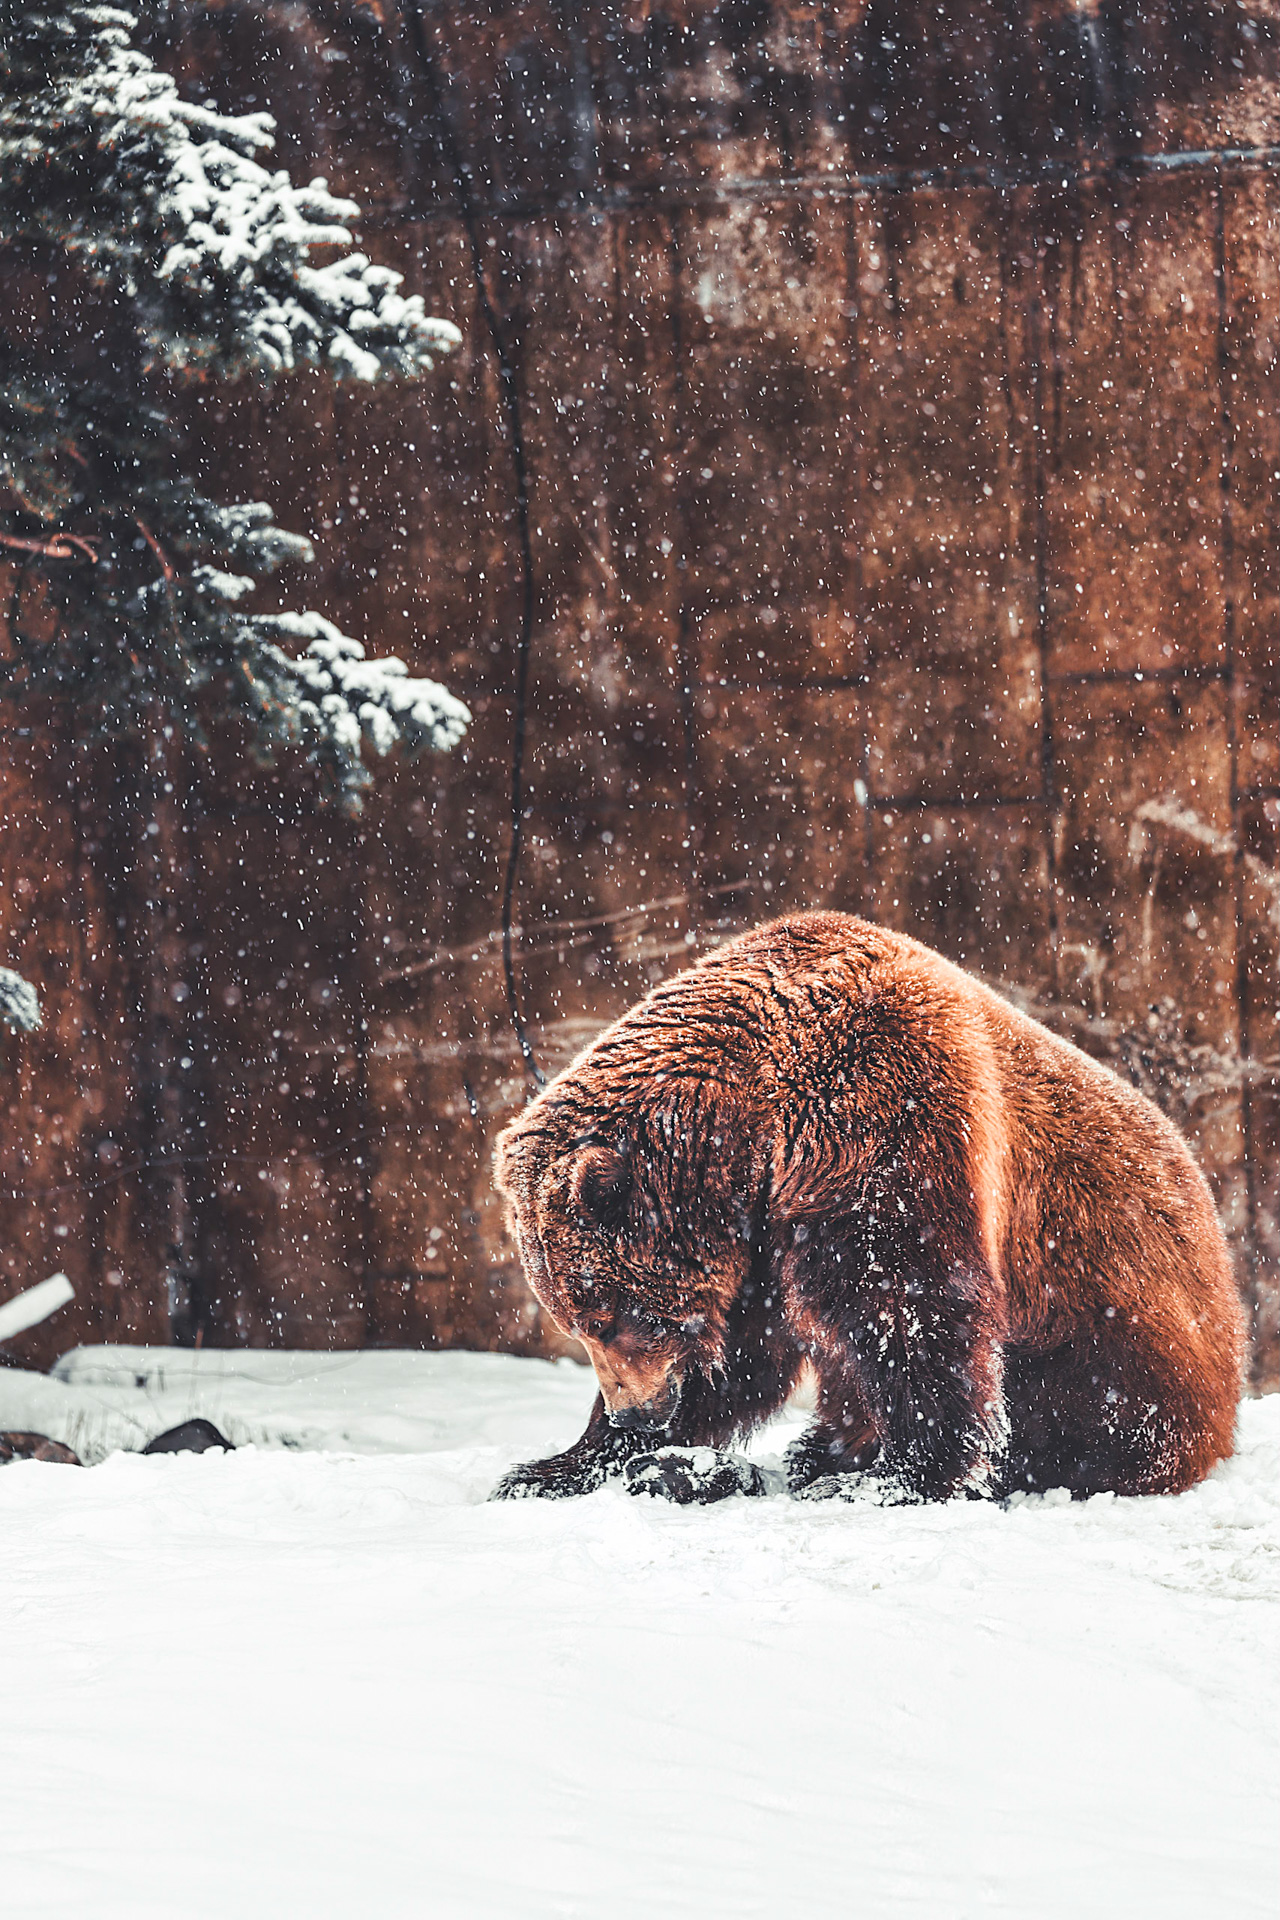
(504, 1163)
(599, 1186)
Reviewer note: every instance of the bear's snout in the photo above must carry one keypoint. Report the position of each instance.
(655, 1417)
(641, 1390)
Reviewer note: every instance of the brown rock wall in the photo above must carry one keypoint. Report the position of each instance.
(901, 438)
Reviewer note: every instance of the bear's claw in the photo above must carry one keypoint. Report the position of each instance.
(529, 1483)
(693, 1476)
(872, 1488)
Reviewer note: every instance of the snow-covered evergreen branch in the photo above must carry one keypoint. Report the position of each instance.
(208, 258)
(18, 1002)
(163, 200)
(331, 698)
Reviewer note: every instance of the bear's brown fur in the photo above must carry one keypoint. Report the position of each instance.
(825, 1142)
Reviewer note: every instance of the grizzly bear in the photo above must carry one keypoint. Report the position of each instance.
(826, 1143)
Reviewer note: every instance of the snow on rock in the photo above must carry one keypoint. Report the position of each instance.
(339, 1681)
(102, 1399)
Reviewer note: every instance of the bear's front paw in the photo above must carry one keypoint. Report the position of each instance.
(872, 1488)
(520, 1483)
(828, 1453)
(830, 1486)
(693, 1476)
(549, 1480)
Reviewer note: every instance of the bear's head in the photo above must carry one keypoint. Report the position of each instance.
(663, 1187)
(637, 1205)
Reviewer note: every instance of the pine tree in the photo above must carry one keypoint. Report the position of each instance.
(197, 262)
(145, 256)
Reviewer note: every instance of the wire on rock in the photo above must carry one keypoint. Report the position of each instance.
(452, 155)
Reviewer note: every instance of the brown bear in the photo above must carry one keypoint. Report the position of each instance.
(825, 1142)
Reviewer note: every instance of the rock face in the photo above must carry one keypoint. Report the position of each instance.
(895, 401)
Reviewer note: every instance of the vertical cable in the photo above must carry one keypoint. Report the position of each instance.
(1226, 472)
(509, 388)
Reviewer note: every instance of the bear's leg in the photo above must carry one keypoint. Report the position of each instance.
(1093, 1417)
(932, 1370)
(600, 1455)
(913, 1325)
(842, 1440)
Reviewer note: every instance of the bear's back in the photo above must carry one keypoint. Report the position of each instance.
(1093, 1201)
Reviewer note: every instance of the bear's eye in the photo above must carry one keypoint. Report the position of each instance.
(647, 1325)
(599, 1186)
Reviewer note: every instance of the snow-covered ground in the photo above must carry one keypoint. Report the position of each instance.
(320, 1676)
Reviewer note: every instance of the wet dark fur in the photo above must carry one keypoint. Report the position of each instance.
(824, 1142)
